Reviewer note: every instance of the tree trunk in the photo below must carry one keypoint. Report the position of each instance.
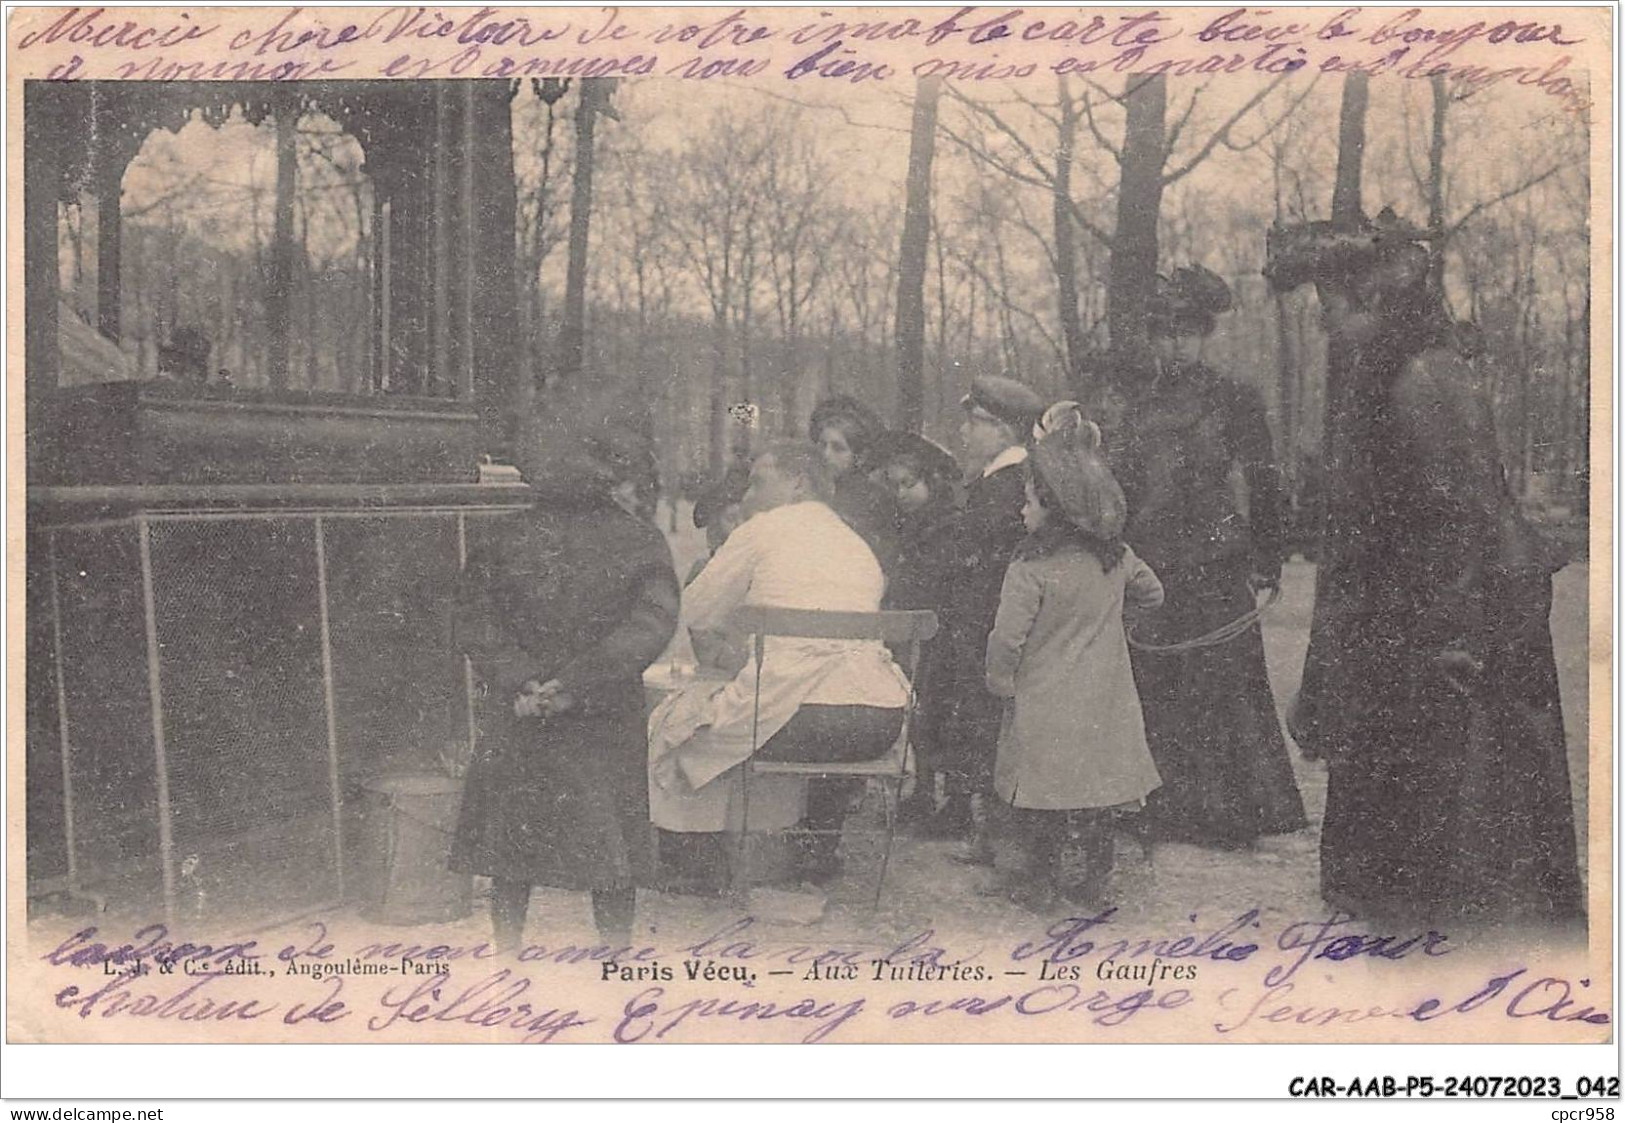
(498, 394)
(1132, 271)
(310, 297)
(1582, 446)
(109, 191)
(911, 259)
(941, 384)
(1441, 102)
(279, 286)
(1066, 248)
(572, 335)
(1286, 362)
(719, 393)
(1346, 208)
(742, 433)
(1343, 477)
(1286, 370)
(1350, 147)
(42, 362)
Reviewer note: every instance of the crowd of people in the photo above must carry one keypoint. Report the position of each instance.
(1096, 570)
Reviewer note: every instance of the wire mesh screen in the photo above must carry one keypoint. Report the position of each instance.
(104, 680)
(47, 840)
(237, 614)
(239, 626)
(398, 684)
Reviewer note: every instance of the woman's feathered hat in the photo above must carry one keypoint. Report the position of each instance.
(1192, 297)
(1067, 457)
(1388, 249)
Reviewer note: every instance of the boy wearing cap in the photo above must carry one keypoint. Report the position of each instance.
(998, 417)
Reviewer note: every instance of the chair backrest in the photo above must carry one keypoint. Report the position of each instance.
(804, 623)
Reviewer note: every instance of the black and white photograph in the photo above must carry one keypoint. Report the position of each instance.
(798, 525)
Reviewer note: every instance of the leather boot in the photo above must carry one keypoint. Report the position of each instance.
(1099, 851)
(1045, 836)
(818, 859)
(952, 820)
(978, 849)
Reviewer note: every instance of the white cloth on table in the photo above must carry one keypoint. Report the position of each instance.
(804, 556)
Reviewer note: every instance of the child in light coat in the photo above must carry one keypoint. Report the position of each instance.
(1072, 747)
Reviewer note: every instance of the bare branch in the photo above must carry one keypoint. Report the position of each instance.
(1222, 135)
(997, 163)
(1478, 208)
(1115, 98)
(969, 264)
(1270, 129)
(769, 91)
(1045, 179)
(1041, 111)
(1418, 177)
(1128, 91)
(1178, 126)
(1002, 126)
(1100, 137)
(186, 187)
(1022, 220)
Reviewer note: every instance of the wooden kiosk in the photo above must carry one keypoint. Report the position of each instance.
(237, 599)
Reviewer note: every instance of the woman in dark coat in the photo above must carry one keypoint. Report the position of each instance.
(924, 481)
(1430, 687)
(1197, 466)
(562, 608)
(845, 432)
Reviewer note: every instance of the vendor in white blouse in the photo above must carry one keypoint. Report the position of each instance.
(821, 700)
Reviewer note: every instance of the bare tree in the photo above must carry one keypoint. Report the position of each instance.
(1149, 158)
(279, 282)
(1066, 243)
(594, 102)
(802, 226)
(542, 228)
(912, 257)
(718, 184)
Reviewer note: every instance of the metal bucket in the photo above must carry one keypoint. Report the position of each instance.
(406, 830)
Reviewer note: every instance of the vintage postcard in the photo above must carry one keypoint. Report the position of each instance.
(796, 525)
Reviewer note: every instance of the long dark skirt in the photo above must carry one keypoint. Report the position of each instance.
(561, 802)
(1443, 804)
(929, 727)
(1210, 717)
(966, 720)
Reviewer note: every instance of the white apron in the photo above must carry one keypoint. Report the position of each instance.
(699, 736)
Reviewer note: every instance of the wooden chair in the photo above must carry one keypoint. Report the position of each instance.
(888, 772)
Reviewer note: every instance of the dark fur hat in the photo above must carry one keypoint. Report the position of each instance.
(581, 440)
(1329, 252)
(935, 463)
(722, 494)
(1193, 297)
(861, 424)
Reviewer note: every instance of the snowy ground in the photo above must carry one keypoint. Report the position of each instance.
(925, 889)
(1280, 875)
